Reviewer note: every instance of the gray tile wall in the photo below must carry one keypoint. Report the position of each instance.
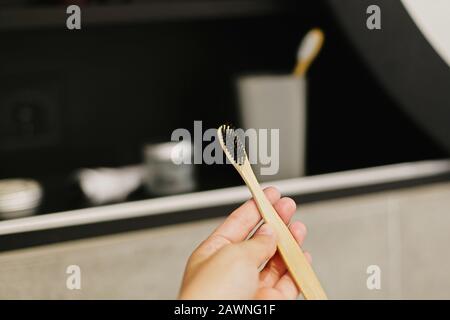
(404, 232)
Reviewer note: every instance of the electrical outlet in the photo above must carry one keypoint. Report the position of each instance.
(29, 116)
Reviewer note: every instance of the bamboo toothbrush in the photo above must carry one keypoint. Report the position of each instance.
(292, 254)
(308, 50)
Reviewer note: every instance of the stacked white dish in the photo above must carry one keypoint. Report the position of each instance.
(19, 197)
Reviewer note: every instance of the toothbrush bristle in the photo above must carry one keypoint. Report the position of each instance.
(310, 44)
(233, 144)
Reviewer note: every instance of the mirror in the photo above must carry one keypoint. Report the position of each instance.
(433, 20)
(409, 56)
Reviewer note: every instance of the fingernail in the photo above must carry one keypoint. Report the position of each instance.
(266, 230)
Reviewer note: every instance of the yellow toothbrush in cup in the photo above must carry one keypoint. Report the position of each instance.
(308, 50)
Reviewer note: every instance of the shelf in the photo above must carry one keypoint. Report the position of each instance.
(136, 215)
(94, 15)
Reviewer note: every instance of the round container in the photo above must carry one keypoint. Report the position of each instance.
(169, 168)
(19, 197)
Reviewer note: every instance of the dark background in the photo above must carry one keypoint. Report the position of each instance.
(72, 99)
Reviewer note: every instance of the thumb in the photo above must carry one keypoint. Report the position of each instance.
(262, 246)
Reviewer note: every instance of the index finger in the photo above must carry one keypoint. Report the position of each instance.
(244, 219)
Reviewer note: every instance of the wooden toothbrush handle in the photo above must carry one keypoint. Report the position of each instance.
(296, 262)
(301, 68)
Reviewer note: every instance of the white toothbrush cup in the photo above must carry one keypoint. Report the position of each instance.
(276, 102)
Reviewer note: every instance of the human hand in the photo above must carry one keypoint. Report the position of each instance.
(227, 266)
